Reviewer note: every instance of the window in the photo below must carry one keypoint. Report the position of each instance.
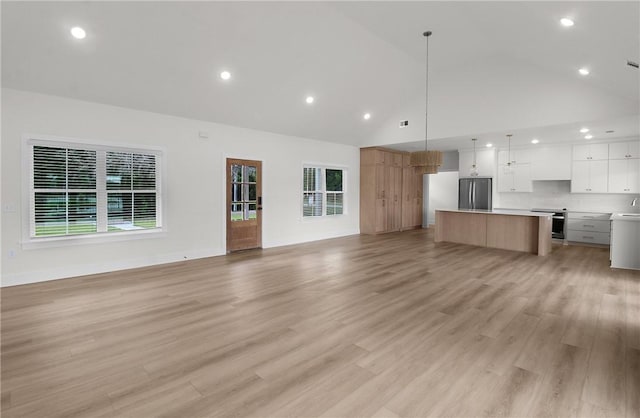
(322, 192)
(79, 189)
(244, 192)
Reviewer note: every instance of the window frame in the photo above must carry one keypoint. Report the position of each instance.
(323, 169)
(29, 240)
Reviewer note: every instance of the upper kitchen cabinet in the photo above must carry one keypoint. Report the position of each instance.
(589, 152)
(516, 178)
(624, 176)
(624, 150)
(589, 176)
(518, 156)
(485, 162)
(551, 163)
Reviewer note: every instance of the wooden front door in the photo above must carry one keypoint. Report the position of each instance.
(244, 204)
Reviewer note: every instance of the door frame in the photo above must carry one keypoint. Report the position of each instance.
(227, 162)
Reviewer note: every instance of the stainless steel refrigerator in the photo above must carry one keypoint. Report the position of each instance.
(474, 193)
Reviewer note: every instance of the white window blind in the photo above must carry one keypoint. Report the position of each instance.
(64, 191)
(79, 189)
(312, 192)
(323, 191)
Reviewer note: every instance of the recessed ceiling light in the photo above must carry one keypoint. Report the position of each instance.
(309, 99)
(225, 75)
(584, 71)
(367, 116)
(78, 33)
(489, 145)
(588, 136)
(584, 130)
(565, 21)
(534, 141)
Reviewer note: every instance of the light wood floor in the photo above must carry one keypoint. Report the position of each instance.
(382, 326)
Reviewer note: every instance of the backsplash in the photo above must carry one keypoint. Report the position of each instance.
(557, 195)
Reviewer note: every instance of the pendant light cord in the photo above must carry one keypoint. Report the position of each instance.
(426, 93)
(474, 151)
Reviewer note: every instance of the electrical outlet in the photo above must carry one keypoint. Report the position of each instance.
(11, 253)
(8, 208)
(404, 124)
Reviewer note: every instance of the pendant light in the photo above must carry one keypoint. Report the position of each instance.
(508, 169)
(426, 162)
(474, 167)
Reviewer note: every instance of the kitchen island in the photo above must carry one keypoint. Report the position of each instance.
(510, 230)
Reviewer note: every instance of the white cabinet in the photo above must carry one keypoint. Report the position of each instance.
(625, 243)
(623, 150)
(518, 156)
(485, 162)
(551, 163)
(624, 176)
(590, 152)
(515, 179)
(592, 228)
(591, 225)
(589, 176)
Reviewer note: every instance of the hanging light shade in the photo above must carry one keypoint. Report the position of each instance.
(474, 168)
(426, 162)
(508, 169)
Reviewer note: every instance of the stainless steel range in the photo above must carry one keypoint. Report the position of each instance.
(559, 224)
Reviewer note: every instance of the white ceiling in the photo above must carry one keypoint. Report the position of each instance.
(623, 128)
(495, 66)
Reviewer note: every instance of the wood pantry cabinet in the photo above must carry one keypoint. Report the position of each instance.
(390, 192)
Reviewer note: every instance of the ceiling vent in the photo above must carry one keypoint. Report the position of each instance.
(632, 64)
(404, 124)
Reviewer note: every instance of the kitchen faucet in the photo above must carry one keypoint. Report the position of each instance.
(634, 201)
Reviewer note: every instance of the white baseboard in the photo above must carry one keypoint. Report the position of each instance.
(97, 268)
(329, 235)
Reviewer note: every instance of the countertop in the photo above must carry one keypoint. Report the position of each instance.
(500, 212)
(632, 217)
(565, 210)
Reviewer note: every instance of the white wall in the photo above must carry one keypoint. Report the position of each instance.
(443, 193)
(195, 192)
(557, 195)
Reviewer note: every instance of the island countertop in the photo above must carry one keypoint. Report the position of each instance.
(513, 212)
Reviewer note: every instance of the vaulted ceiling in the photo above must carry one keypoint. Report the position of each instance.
(494, 66)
